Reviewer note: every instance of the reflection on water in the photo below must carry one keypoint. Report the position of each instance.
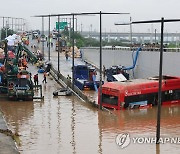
(66, 125)
(17, 113)
(73, 127)
(141, 123)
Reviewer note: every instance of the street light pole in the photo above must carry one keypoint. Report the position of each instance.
(49, 39)
(160, 85)
(58, 45)
(43, 36)
(131, 30)
(3, 22)
(12, 24)
(6, 28)
(155, 36)
(100, 60)
(73, 54)
(70, 29)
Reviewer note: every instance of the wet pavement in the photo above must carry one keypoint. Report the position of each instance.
(7, 144)
(66, 125)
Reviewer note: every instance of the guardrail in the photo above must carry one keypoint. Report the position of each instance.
(62, 80)
(134, 48)
(39, 87)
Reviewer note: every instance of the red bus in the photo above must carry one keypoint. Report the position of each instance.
(140, 92)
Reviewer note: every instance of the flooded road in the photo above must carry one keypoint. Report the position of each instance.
(67, 125)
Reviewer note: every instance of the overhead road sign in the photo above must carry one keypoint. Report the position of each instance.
(61, 25)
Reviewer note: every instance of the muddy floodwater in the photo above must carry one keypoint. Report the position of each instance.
(66, 125)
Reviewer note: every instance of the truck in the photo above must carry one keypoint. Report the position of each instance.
(63, 45)
(20, 86)
(85, 77)
(115, 70)
(16, 82)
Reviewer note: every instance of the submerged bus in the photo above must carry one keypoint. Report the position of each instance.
(140, 92)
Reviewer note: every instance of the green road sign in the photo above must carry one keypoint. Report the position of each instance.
(61, 25)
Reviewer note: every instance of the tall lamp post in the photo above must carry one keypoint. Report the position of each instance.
(155, 36)
(49, 38)
(73, 55)
(130, 25)
(43, 36)
(100, 58)
(160, 70)
(58, 46)
(160, 84)
(131, 30)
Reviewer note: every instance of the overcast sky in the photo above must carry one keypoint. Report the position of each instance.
(138, 9)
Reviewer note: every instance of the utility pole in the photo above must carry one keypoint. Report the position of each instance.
(43, 36)
(3, 22)
(12, 24)
(73, 55)
(155, 36)
(131, 30)
(49, 38)
(100, 59)
(58, 46)
(160, 85)
(70, 29)
(6, 28)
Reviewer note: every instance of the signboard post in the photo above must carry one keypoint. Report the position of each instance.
(61, 25)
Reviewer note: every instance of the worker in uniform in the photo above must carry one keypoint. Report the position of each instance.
(44, 77)
(36, 80)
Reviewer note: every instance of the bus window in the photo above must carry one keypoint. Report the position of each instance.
(137, 99)
(171, 95)
(110, 99)
(177, 94)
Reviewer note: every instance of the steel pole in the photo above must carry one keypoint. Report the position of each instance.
(73, 55)
(15, 24)
(6, 29)
(76, 25)
(18, 25)
(43, 36)
(131, 30)
(12, 24)
(58, 46)
(155, 36)
(3, 22)
(160, 85)
(70, 29)
(100, 60)
(49, 38)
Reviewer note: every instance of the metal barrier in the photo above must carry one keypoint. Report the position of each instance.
(62, 80)
(38, 87)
